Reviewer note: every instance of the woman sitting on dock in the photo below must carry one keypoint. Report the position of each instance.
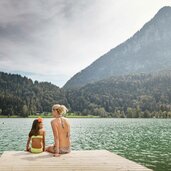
(61, 131)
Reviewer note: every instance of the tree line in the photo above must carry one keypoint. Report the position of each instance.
(21, 96)
(130, 96)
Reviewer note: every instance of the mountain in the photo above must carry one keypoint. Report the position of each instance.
(148, 50)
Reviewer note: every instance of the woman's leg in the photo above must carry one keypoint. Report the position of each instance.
(64, 150)
(50, 149)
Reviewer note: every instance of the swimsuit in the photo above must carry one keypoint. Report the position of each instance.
(37, 150)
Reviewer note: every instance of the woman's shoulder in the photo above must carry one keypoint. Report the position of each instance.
(54, 120)
(66, 119)
(57, 121)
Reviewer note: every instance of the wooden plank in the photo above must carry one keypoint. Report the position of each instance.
(89, 160)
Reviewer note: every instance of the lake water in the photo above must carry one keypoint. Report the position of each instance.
(146, 141)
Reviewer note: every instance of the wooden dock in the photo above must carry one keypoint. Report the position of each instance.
(89, 160)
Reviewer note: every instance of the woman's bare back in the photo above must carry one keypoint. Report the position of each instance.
(63, 128)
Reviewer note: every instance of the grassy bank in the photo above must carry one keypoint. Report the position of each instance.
(70, 115)
(13, 116)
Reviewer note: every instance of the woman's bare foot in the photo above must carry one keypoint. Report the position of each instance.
(56, 155)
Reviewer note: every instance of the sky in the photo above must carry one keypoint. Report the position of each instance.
(53, 40)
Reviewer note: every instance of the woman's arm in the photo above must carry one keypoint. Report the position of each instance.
(44, 140)
(68, 132)
(28, 142)
(56, 138)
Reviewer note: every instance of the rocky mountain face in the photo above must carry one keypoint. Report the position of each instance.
(148, 50)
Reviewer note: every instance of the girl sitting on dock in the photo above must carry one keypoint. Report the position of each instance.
(37, 137)
(61, 131)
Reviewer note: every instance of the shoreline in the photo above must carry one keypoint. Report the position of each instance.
(73, 116)
(42, 116)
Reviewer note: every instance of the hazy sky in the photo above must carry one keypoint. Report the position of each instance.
(51, 40)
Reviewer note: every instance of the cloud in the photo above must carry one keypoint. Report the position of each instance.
(52, 40)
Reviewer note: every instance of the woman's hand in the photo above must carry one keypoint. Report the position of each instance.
(56, 155)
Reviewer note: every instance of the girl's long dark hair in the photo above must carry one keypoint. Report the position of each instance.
(35, 128)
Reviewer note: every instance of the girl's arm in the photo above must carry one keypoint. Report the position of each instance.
(28, 142)
(56, 138)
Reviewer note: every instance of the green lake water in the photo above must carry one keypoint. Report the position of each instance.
(145, 141)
